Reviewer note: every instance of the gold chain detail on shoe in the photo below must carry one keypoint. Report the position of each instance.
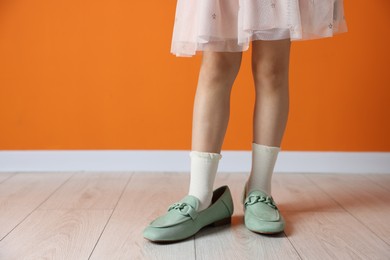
(252, 199)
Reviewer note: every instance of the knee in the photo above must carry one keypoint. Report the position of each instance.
(270, 76)
(221, 67)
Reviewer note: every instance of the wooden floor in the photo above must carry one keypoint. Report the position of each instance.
(102, 215)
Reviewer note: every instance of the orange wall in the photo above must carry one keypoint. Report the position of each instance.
(92, 75)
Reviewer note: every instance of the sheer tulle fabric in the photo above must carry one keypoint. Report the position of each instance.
(230, 25)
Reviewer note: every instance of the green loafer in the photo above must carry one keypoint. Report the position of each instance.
(261, 215)
(183, 220)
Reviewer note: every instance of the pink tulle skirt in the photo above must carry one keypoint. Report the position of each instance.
(230, 25)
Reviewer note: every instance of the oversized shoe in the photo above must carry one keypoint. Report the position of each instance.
(183, 220)
(261, 215)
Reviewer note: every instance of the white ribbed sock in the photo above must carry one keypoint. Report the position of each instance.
(263, 163)
(204, 167)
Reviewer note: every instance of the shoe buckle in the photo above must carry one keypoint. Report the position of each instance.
(184, 209)
(254, 199)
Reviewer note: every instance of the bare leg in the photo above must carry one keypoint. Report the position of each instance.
(270, 68)
(212, 100)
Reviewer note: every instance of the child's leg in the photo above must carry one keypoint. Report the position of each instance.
(210, 119)
(270, 68)
(212, 100)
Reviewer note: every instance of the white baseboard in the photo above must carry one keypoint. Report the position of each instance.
(179, 161)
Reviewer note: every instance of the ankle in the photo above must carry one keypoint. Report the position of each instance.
(204, 167)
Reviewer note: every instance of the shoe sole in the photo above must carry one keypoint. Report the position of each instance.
(266, 233)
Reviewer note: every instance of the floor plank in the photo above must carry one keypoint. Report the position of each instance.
(382, 180)
(55, 234)
(365, 200)
(24, 192)
(332, 235)
(89, 190)
(294, 192)
(5, 175)
(147, 196)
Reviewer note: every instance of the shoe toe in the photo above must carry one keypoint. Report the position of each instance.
(261, 214)
(172, 233)
(183, 220)
(260, 225)
(152, 234)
